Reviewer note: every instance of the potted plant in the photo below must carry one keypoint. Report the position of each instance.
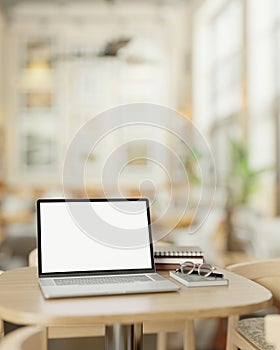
(242, 182)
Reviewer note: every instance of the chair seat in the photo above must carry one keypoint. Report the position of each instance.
(253, 330)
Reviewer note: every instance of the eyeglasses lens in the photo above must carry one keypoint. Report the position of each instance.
(205, 270)
(187, 268)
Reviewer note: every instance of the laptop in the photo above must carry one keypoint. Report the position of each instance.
(90, 247)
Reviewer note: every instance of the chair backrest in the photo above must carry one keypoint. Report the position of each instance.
(256, 270)
(272, 327)
(25, 338)
(32, 258)
(1, 321)
(265, 272)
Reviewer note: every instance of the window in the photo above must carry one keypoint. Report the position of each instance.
(226, 62)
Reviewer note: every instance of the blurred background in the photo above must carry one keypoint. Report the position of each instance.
(216, 62)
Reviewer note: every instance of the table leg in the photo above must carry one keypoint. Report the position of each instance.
(124, 337)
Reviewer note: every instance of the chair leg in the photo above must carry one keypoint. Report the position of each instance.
(189, 335)
(161, 340)
(45, 338)
(232, 320)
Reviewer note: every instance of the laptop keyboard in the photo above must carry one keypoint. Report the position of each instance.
(100, 280)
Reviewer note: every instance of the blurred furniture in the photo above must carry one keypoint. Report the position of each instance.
(249, 229)
(248, 333)
(203, 235)
(272, 330)
(17, 222)
(25, 338)
(26, 305)
(6, 219)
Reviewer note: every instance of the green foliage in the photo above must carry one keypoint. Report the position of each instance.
(191, 162)
(243, 180)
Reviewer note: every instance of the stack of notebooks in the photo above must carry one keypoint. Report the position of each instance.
(170, 257)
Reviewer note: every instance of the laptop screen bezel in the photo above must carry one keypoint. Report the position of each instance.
(91, 272)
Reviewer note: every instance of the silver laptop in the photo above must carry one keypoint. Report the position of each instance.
(92, 247)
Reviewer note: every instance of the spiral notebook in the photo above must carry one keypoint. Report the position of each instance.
(170, 257)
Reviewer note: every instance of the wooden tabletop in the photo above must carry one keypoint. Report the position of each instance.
(22, 302)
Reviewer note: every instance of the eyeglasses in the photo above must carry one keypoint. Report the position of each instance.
(203, 269)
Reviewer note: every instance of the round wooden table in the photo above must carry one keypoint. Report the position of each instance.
(22, 302)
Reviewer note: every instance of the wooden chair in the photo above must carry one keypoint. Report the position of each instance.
(33, 258)
(25, 338)
(1, 322)
(159, 328)
(272, 330)
(249, 333)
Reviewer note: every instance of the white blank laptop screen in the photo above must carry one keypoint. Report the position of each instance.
(83, 236)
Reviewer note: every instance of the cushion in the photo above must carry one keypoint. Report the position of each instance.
(253, 330)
